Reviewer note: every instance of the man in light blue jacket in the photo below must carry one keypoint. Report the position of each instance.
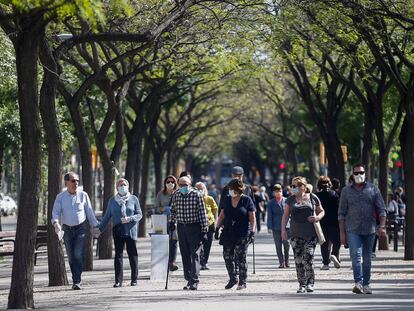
(275, 209)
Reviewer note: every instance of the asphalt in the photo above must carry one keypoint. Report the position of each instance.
(269, 288)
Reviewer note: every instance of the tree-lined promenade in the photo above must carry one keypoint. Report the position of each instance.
(137, 87)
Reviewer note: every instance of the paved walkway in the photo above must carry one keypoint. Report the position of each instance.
(269, 289)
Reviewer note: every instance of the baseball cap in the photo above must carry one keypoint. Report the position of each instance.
(237, 170)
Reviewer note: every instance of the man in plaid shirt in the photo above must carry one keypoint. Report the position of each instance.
(187, 210)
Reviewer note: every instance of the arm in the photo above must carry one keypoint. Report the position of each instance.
(214, 207)
(269, 215)
(57, 210)
(90, 214)
(137, 211)
(202, 214)
(285, 219)
(252, 221)
(106, 218)
(342, 211)
(380, 207)
(220, 219)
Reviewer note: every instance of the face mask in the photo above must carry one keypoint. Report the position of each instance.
(295, 191)
(123, 190)
(359, 179)
(201, 191)
(184, 190)
(170, 186)
(232, 193)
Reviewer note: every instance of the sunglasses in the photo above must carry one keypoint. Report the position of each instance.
(359, 173)
(74, 180)
(293, 186)
(170, 182)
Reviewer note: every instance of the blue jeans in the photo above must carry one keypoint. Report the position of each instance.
(361, 246)
(74, 240)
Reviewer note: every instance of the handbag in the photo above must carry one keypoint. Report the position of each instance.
(317, 225)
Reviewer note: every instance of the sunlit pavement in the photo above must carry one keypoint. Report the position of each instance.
(269, 289)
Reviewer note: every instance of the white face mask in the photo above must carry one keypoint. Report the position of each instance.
(123, 190)
(232, 193)
(170, 186)
(295, 191)
(359, 179)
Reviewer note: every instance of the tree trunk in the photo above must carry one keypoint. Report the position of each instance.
(367, 143)
(157, 170)
(138, 165)
(56, 260)
(26, 46)
(336, 168)
(142, 232)
(407, 151)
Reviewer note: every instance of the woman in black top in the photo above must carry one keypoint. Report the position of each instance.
(239, 221)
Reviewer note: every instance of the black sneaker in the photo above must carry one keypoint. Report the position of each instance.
(118, 284)
(187, 287)
(231, 283)
(76, 286)
(173, 267)
(133, 283)
(193, 286)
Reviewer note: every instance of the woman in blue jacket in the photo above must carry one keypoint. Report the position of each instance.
(125, 211)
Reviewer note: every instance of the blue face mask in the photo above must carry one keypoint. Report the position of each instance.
(184, 190)
(123, 190)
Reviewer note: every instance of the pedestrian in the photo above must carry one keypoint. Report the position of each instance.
(330, 201)
(163, 206)
(259, 203)
(238, 220)
(211, 210)
(304, 209)
(360, 205)
(125, 211)
(71, 208)
(275, 210)
(188, 216)
(266, 199)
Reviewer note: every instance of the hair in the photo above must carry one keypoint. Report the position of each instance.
(277, 187)
(309, 188)
(324, 183)
(164, 190)
(358, 165)
(66, 177)
(185, 174)
(255, 188)
(336, 184)
(203, 186)
(300, 180)
(236, 184)
(122, 179)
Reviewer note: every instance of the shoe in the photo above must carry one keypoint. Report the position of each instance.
(193, 286)
(325, 267)
(367, 290)
(357, 288)
(241, 286)
(373, 255)
(118, 284)
(301, 290)
(205, 267)
(187, 287)
(282, 265)
(231, 283)
(309, 288)
(76, 286)
(133, 283)
(287, 265)
(173, 267)
(335, 261)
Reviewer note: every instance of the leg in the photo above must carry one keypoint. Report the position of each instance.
(277, 238)
(118, 259)
(325, 253)
(228, 256)
(79, 241)
(172, 257)
(195, 249)
(184, 250)
(207, 246)
(240, 253)
(69, 245)
(308, 260)
(355, 249)
(336, 245)
(133, 258)
(286, 247)
(298, 246)
(367, 242)
(258, 218)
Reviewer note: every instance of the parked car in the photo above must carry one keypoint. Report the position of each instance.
(7, 205)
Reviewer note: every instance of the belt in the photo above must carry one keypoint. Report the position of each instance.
(73, 227)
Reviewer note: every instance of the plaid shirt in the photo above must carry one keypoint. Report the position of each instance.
(189, 209)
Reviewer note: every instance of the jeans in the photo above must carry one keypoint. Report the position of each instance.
(277, 238)
(361, 245)
(74, 240)
(119, 256)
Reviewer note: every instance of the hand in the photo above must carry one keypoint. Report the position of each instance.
(381, 232)
(313, 219)
(251, 237)
(217, 233)
(283, 235)
(58, 228)
(125, 220)
(343, 239)
(172, 226)
(203, 237)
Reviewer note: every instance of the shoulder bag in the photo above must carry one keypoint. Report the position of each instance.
(317, 225)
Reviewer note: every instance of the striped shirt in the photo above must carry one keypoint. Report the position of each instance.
(358, 208)
(189, 209)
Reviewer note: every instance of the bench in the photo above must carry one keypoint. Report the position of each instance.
(8, 240)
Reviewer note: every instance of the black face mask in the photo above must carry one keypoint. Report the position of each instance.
(325, 187)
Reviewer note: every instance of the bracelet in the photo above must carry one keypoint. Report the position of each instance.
(381, 226)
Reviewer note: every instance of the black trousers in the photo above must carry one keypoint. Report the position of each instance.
(332, 238)
(172, 256)
(189, 236)
(205, 250)
(119, 255)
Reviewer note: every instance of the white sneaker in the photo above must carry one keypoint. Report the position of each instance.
(335, 261)
(309, 288)
(325, 267)
(367, 290)
(358, 288)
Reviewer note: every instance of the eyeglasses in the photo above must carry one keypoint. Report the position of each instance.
(295, 186)
(359, 173)
(74, 180)
(170, 182)
(185, 185)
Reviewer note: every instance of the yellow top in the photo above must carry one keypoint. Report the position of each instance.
(211, 209)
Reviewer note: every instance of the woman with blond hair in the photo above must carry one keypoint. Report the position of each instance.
(303, 208)
(125, 211)
(211, 211)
